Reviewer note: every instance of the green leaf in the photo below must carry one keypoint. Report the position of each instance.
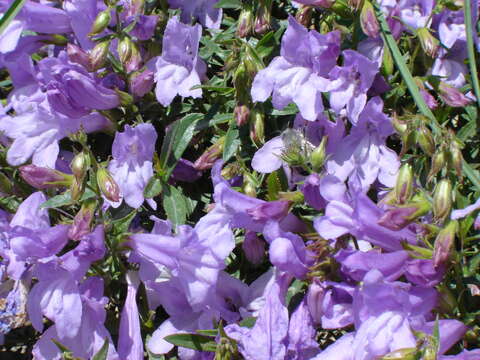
(66, 352)
(121, 225)
(10, 14)
(229, 4)
(193, 341)
(58, 201)
(232, 142)
(153, 188)
(103, 352)
(471, 50)
(248, 322)
(176, 141)
(174, 205)
(211, 332)
(266, 45)
(276, 182)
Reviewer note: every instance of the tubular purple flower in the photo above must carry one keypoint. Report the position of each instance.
(451, 96)
(444, 243)
(141, 83)
(253, 247)
(203, 10)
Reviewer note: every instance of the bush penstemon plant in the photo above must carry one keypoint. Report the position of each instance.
(239, 179)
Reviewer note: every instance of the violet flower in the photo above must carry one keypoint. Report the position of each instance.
(299, 74)
(132, 166)
(416, 14)
(179, 68)
(203, 10)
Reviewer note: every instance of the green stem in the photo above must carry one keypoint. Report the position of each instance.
(11, 13)
(469, 29)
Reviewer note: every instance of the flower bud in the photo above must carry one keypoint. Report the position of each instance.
(80, 165)
(439, 161)
(128, 53)
(101, 22)
(44, 178)
(249, 189)
(456, 158)
(141, 83)
(76, 189)
(387, 62)
(368, 20)
(404, 184)
(442, 200)
(78, 56)
(401, 354)
(304, 15)
(107, 185)
(212, 154)
(245, 22)
(125, 98)
(272, 210)
(257, 127)
(263, 18)
(451, 96)
(429, 43)
(399, 124)
(425, 140)
(315, 295)
(98, 55)
(409, 139)
(444, 243)
(318, 155)
(241, 114)
(82, 223)
(56, 39)
(397, 218)
(253, 247)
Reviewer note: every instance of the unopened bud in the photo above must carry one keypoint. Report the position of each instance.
(368, 20)
(80, 165)
(78, 56)
(456, 158)
(304, 15)
(241, 114)
(125, 98)
(56, 39)
(397, 218)
(425, 140)
(257, 127)
(452, 96)
(318, 155)
(409, 139)
(44, 178)
(387, 62)
(128, 53)
(404, 184)
(399, 125)
(444, 243)
(107, 185)
(253, 247)
(141, 83)
(439, 161)
(272, 210)
(101, 22)
(249, 188)
(442, 200)
(401, 354)
(98, 55)
(245, 23)
(212, 154)
(263, 18)
(429, 43)
(82, 223)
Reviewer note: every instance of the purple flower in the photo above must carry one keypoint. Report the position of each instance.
(449, 65)
(132, 167)
(301, 335)
(92, 333)
(350, 83)
(298, 75)
(416, 14)
(82, 14)
(130, 343)
(363, 157)
(179, 68)
(451, 27)
(458, 214)
(144, 28)
(203, 10)
(10, 36)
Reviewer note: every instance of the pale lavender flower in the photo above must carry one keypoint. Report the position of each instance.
(132, 166)
(130, 343)
(416, 13)
(449, 65)
(458, 214)
(363, 156)
(299, 74)
(350, 83)
(179, 68)
(92, 332)
(10, 36)
(203, 10)
(82, 14)
(451, 27)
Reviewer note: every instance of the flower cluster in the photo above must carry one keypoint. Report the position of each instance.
(257, 179)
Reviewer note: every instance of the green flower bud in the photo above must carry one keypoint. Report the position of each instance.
(107, 185)
(425, 140)
(456, 158)
(387, 62)
(245, 22)
(439, 160)
(401, 354)
(101, 22)
(98, 55)
(368, 20)
(318, 155)
(444, 242)
(264, 17)
(442, 200)
(404, 185)
(257, 127)
(80, 165)
(429, 43)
